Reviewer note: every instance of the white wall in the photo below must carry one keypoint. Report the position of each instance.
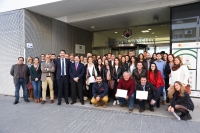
(8, 5)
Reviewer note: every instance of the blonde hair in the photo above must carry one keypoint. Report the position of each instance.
(182, 88)
(29, 58)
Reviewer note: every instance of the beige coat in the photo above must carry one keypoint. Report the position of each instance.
(45, 72)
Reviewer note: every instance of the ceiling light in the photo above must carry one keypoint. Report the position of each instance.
(145, 31)
(156, 36)
(122, 35)
(115, 32)
(92, 27)
(153, 33)
(149, 29)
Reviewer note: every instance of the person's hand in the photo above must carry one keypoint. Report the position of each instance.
(170, 75)
(169, 108)
(86, 83)
(98, 98)
(152, 102)
(116, 95)
(126, 97)
(118, 80)
(140, 99)
(36, 79)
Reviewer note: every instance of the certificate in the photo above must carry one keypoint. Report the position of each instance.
(121, 93)
(141, 95)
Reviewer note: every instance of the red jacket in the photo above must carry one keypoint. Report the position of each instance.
(158, 81)
(127, 85)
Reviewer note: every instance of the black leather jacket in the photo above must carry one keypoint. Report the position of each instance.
(104, 73)
(117, 74)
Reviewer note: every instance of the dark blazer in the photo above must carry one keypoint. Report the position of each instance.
(35, 74)
(15, 74)
(145, 65)
(101, 89)
(184, 101)
(76, 73)
(137, 76)
(117, 74)
(58, 67)
(153, 93)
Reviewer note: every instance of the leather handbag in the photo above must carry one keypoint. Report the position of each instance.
(29, 85)
(187, 88)
(111, 84)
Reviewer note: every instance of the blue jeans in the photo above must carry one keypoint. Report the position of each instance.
(20, 83)
(123, 101)
(36, 88)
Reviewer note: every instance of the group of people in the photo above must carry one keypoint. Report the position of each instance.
(98, 79)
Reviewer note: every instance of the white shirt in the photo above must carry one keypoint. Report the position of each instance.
(91, 79)
(116, 67)
(182, 75)
(132, 67)
(63, 66)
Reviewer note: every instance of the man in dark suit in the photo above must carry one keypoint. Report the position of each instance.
(76, 72)
(20, 73)
(62, 76)
(153, 94)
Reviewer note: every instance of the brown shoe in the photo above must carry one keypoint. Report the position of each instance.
(43, 102)
(141, 110)
(130, 110)
(51, 101)
(104, 106)
(164, 102)
(96, 105)
(38, 100)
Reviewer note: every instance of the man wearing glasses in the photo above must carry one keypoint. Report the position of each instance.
(20, 73)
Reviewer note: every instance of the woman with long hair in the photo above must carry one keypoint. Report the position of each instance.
(35, 72)
(154, 57)
(133, 63)
(181, 102)
(99, 66)
(139, 72)
(91, 74)
(116, 75)
(155, 77)
(124, 64)
(106, 72)
(143, 60)
(165, 55)
(179, 72)
(167, 72)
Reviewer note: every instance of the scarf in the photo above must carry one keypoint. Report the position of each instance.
(36, 67)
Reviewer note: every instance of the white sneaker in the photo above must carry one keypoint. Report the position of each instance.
(118, 102)
(114, 103)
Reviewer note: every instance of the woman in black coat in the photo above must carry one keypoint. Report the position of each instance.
(117, 72)
(181, 102)
(167, 71)
(99, 66)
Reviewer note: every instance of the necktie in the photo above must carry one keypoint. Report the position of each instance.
(63, 67)
(143, 88)
(76, 66)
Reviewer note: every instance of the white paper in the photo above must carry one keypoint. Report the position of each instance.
(176, 116)
(121, 93)
(141, 95)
